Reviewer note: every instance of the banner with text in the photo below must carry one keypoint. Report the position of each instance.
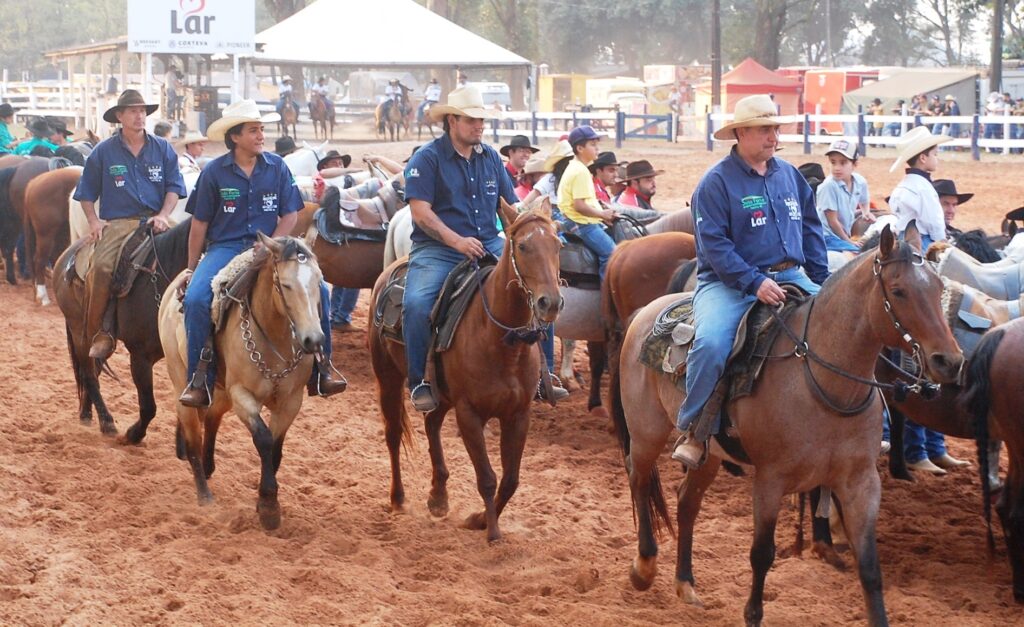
(192, 26)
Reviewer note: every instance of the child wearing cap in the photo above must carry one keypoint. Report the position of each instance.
(842, 197)
(577, 197)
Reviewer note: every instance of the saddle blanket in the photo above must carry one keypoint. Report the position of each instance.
(222, 280)
(340, 235)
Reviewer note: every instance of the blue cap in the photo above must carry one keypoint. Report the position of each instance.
(582, 134)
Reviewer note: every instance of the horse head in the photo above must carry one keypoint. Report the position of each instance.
(532, 248)
(911, 316)
(296, 288)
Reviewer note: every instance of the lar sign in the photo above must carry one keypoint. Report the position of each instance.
(193, 25)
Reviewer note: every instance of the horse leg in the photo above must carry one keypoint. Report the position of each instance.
(513, 442)
(859, 496)
(767, 498)
(690, 498)
(266, 506)
(821, 533)
(641, 469)
(897, 457)
(437, 502)
(142, 376)
(78, 367)
(212, 424)
(191, 435)
(392, 406)
(566, 372)
(1008, 509)
(598, 359)
(471, 426)
(9, 265)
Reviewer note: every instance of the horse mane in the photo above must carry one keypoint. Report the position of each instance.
(171, 247)
(681, 276)
(975, 243)
(72, 154)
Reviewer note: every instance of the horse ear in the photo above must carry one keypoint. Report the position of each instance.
(270, 243)
(508, 214)
(544, 206)
(1011, 230)
(887, 242)
(912, 236)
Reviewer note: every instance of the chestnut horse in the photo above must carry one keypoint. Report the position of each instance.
(136, 326)
(27, 169)
(321, 114)
(266, 368)
(521, 293)
(46, 221)
(796, 437)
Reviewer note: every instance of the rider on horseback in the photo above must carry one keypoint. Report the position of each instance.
(756, 227)
(323, 90)
(430, 98)
(241, 193)
(135, 176)
(285, 90)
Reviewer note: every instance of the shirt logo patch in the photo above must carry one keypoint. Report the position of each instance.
(118, 170)
(753, 203)
(412, 173)
(794, 208)
(491, 187)
(758, 218)
(229, 193)
(156, 173)
(270, 202)
(228, 206)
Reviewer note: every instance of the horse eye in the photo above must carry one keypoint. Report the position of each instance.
(521, 247)
(899, 292)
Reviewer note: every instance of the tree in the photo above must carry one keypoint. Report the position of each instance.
(952, 21)
(895, 37)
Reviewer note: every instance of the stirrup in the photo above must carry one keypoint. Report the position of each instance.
(426, 401)
(99, 336)
(686, 441)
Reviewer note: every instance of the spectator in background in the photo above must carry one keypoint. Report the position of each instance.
(605, 168)
(1018, 126)
(876, 108)
(518, 151)
(894, 129)
(172, 85)
(162, 129)
(994, 106)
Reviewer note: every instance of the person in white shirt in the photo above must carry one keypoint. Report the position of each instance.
(285, 91)
(324, 91)
(430, 98)
(191, 155)
(915, 198)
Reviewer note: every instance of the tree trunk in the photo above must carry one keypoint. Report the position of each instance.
(771, 20)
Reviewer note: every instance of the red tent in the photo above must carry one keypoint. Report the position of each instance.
(750, 77)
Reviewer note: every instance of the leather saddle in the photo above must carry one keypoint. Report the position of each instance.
(138, 254)
(330, 228)
(998, 281)
(967, 326)
(578, 265)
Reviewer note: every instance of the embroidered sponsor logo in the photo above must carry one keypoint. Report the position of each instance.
(156, 173)
(118, 170)
(491, 187)
(229, 193)
(228, 206)
(758, 218)
(794, 208)
(270, 202)
(753, 203)
(412, 173)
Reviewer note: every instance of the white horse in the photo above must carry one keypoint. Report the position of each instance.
(302, 162)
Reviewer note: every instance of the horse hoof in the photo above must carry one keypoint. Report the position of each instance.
(827, 553)
(476, 522)
(270, 515)
(206, 498)
(600, 412)
(643, 571)
(493, 536)
(108, 428)
(685, 591)
(438, 506)
(131, 436)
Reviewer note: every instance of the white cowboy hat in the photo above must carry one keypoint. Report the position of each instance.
(559, 151)
(752, 111)
(238, 113)
(192, 137)
(465, 101)
(536, 165)
(913, 143)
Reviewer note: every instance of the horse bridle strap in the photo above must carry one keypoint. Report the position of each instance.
(532, 331)
(250, 344)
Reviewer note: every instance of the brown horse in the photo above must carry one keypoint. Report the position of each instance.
(46, 221)
(396, 117)
(136, 323)
(26, 170)
(266, 368)
(289, 117)
(521, 292)
(321, 114)
(796, 437)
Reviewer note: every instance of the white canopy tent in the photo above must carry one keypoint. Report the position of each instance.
(377, 34)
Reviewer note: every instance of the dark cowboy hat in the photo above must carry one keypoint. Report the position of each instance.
(128, 98)
(58, 126)
(334, 154)
(284, 145)
(603, 159)
(6, 110)
(519, 141)
(638, 170)
(946, 187)
(813, 173)
(40, 128)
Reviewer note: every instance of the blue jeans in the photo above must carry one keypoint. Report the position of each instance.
(420, 110)
(892, 129)
(199, 298)
(835, 243)
(343, 301)
(921, 442)
(718, 310)
(430, 263)
(596, 239)
(548, 346)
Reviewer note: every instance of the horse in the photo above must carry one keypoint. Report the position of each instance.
(520, 294)
(390, 117)
(1002, 279)
(321, 113)
(424, 119)
(289, 117)
(302, 162)
(136, 321)
(797, 438)
(266, 368)
(13, 225)
(46, 221)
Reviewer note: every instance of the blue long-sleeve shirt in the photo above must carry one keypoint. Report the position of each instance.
(746, 223)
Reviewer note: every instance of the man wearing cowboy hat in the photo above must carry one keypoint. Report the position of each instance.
(915, 198)
(60, 134)
(285, 91)
(431, 97)
(135, 175)
(756, 227)
(604, 170)
(192, 145)
(240, 194)
(324, 90)
(453, 185)
(518, 152)
(950, 199)
(41, 133)
(640, 185)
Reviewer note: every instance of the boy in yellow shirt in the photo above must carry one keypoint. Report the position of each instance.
(577, 198)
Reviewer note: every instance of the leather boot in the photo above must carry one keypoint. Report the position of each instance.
(197, 392)
(325, 384)
(103, 343)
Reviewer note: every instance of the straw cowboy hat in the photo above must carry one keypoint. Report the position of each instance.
(128, 98)
(465, 100)
(752, 111)
(559, 151)
(238, 113)
(913, 143)
(192, 137)
(536, 165)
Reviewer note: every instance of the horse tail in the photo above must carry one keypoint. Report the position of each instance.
(977, 400)
(76, 364)
(681, 276)
(657, 508)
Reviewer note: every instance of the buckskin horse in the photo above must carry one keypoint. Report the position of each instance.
(518, 296)
(46, 221)
(136, 322)
(811, 420)
(321, 113)
(392, 117)
(264, 353)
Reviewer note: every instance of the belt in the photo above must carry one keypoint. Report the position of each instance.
(785, 265)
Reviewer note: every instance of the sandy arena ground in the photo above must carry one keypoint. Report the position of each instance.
(97, 533)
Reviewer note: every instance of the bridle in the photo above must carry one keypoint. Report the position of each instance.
(803, 351)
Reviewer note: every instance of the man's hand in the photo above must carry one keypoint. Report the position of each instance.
(470, 247)
(96, 227)
(770, 293)
(159, 223)
(867, 215)
(183, 286)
